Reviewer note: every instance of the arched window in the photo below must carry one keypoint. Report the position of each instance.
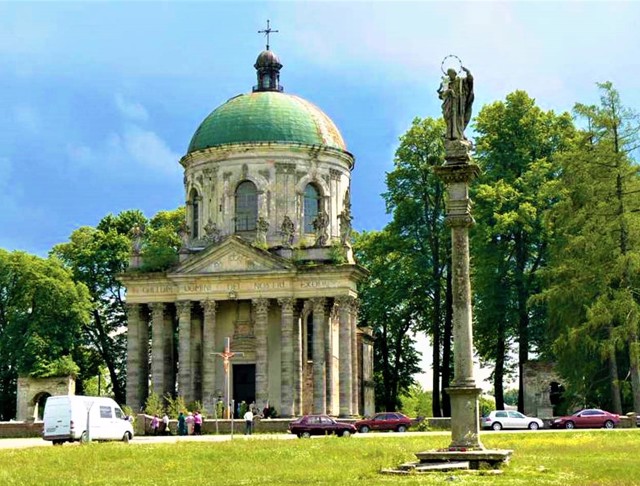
(311, 206)
(195, 214)
(246, 206)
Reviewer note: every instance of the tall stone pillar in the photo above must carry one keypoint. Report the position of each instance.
(185, 376)
(261, 307)
(319, 376)
(169, 354)
(286, 356)
(208, 358)
(346, 372)
(457, 172)
(136, 369)
(157, 347)
(196, 356)
(355, 386)
(297, 362)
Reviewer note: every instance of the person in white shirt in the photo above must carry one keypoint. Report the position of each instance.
(248, 422)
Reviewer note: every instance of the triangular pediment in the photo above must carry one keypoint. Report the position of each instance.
(233, 255)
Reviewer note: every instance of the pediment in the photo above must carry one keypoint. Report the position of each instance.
(233, 255)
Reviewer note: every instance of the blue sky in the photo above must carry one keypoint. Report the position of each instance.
(100, 100)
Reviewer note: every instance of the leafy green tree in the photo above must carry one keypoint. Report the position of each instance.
(416, 402)
(96, 257)
(415, 197)
(42, 311)
(593, 277)
(390, 305)
(517, 149)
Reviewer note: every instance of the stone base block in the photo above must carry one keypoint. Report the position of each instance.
(476, 459)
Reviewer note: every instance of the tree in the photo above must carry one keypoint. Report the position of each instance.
(593, 277)
(517, 149)
(96, 257)
(390, 305)
(41, 313)
(415, 196)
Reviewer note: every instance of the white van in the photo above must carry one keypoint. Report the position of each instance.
(69, 418)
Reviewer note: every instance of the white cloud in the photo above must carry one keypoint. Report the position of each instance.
(132, 110)
(134, 146)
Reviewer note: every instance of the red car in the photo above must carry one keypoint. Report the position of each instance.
(591, 417)
(320, 425)
(384, 421)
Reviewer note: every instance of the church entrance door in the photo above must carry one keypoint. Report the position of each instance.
(244, 383)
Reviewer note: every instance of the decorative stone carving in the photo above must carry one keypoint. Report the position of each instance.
(345, 225)
(335, 174)
(320, 226)
(262, 227)
(285, 168)
(265, 173)
(209, 307)
(457, 96)
(184, 232)
(136, 234)
(211, 232)
(287, 230)
(245, 171)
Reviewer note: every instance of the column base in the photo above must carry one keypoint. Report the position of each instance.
(465, 418)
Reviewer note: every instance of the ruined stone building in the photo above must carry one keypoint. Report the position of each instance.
(265, 262)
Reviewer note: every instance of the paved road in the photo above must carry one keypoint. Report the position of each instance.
(172, 439)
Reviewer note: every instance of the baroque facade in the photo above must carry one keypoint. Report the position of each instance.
(265, 262)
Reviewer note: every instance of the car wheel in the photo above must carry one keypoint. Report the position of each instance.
(58, 442)
(84, 438)
(364, 429)
(534, 426)
(496, 426)
(126, 437)
(346, 433)
(305, 435)
(402, 428)
(569, 425)
(608, 424)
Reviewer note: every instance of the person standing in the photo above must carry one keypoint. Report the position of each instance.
(197, 423)
(248, 422)
(165, 424)
(155, 424)
(190, 423)
(182, 425)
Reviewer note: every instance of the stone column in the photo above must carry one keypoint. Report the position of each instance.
(157, 347)
(297, 362)
(286, 357)
(319, 377)
(346, 372)
(134, 365)
(355, 386)
(169, 354)
(261, 307)
(185, 377)
(328, 356)
(208, 358)
(457, 172)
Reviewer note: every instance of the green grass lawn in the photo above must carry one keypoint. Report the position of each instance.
(580, 458)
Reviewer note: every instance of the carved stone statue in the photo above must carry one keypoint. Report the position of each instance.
(288, 231)
(185, 233)
(345, 225)
(456, 93)
(320, 225)
(136, 234)
(262, 226)
(211, 232)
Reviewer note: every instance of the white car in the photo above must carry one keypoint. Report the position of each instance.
(510, 419)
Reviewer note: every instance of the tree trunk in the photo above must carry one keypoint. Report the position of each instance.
(523, 315)
(498, 374)
(435, 402)
(616, 403)
(446, 344)
(634, 370)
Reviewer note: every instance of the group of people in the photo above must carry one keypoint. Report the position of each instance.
(188, 424)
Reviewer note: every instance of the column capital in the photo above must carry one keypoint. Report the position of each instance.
(184, 307)
(260, 305)
(131, 308)
(287, 304)
(209, 306)
(318, 303)
(157, 309)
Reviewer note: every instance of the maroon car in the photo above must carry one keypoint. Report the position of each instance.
(320, 425)
(588, 418)
(384, 421)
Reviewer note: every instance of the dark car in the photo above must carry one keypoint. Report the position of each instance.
(591, 417)
(320, 425)
(384, 421)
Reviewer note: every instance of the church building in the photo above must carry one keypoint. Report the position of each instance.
(265, 266)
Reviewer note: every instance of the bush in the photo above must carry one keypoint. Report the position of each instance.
(487, 404)
(175, 405)
(154, 405)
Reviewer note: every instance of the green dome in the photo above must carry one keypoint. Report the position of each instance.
(266, 116)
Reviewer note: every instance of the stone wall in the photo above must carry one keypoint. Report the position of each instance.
(538, 377)
(31, 390)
